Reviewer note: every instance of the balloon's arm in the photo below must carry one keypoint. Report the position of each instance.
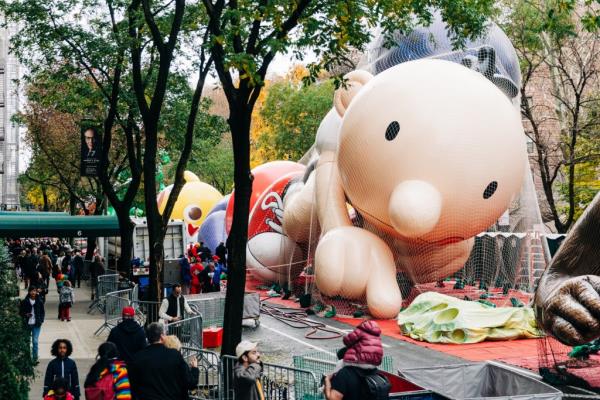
(578, 255)
(331, 200)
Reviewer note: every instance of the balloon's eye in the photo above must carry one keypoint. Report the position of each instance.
(490, 190)
(193, 213)
(392, 130)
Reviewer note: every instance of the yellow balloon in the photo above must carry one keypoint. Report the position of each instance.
(195, 201)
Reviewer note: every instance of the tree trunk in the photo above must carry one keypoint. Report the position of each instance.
(91, 247)
(126, 227)
(72, 204)
(239, 122)
(153, 217)
(45, 198)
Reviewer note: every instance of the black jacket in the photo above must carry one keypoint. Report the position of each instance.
(159, 373)
(129, 337)
(78, 265)
(38, 310)
(62, 368)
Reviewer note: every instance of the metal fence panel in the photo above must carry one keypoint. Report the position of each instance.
(188, 331)
(321, 363)
(210, 305)
(114, 303)
(106, 283)
(209, 380)
(145, 311)
(278, 382)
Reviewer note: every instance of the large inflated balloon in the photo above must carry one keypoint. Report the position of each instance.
(195, 200)
(270, 252)
(264, 176)
(429, 153)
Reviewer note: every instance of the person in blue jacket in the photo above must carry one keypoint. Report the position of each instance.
(62, 367)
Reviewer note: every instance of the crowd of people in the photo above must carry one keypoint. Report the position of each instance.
(201, 271)
(36, 263)
(138, 363)
(130, 364)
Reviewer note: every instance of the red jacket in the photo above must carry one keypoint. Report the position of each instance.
(364, 345)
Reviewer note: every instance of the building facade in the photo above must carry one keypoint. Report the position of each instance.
(9, 131)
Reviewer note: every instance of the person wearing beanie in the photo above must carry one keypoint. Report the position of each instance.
(128, 335)
(359, 360)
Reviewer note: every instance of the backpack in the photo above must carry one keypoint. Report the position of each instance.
(376, 386)
(103, 389)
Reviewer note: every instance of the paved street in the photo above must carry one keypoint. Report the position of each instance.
(80, 331)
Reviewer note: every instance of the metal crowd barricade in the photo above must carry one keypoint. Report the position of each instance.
(209, 379)
(188, 331)
(210, 305)
(106, 283)
(323, 363)
(145, 311)
(113, 308)
(278, 382)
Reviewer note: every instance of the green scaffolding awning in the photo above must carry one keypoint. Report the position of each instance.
(53, 225)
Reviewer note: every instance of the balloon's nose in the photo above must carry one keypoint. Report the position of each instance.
(415, 207)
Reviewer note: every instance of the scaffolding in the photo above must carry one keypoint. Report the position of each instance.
(9, 131)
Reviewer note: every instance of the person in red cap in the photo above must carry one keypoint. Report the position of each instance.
(128, 336)
(356, 377)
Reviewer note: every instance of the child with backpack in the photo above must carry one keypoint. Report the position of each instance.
(108, 378)
(66, 300)
(357, 377)
(59, 391)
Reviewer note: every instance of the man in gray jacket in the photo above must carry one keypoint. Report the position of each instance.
(247, 372)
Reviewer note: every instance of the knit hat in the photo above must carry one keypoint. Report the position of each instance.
(243, 347)
(128, 311)
(364, 345)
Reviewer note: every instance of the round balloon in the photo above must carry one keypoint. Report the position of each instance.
(271, 256)
(195, 200)
(212, 232)
(264, 175)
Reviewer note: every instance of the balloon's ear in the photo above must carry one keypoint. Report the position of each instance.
(355, 80)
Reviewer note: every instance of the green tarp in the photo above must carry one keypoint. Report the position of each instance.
(57, 225)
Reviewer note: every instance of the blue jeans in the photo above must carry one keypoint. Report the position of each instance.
(35, 335)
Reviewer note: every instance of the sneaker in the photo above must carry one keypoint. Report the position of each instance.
(69, 320)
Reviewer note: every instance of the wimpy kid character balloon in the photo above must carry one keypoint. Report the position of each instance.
(428, 153)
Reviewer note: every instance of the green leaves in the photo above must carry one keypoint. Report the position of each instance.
(16, 365)
(292, 114)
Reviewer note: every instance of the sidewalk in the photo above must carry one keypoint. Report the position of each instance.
(80, 331)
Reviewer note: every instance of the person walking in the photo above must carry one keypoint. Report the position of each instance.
(30, 271)
(206, 278)
(356, 378)
(174, 307)
(59, 391)
(247, 372)
(96, 269)
(220, 269)
(221, 252)
(128, 336)
(33, 313)
(77, 268)
(62, 367)
(108, 378)
(195, 271)
(160, 373)
(66, 301)
(45, 268)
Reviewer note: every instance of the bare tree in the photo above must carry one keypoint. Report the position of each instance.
(560, 62)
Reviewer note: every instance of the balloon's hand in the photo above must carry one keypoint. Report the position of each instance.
(572, 311)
